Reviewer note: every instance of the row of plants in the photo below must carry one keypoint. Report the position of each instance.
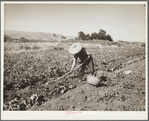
(29, 68)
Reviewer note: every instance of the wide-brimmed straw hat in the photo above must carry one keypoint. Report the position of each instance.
(75, 48)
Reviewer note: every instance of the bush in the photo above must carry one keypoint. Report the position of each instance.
(27, 47)
(23, 39)
(142, 44)
(55, 35)
(21, 47)
(58, 48)
(24, 47)
(101, 35)
(87, 37)
(108, 37)
(16, 41)
(7, 38)
(63, 37)
(119, 45)
(36, 48)
(112, 43)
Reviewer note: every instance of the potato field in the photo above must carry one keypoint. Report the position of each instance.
(30, 71)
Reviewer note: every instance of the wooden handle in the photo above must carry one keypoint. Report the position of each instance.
(69, 72)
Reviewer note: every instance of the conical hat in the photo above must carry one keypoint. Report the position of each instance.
(75, 48)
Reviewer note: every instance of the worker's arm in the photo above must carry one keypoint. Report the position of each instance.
(74, 62)
(88, 53)
(87, 58)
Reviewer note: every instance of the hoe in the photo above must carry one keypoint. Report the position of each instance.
(69, 72)
(93, 80)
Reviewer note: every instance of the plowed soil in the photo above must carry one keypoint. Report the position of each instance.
(120, 69)
(127, 94)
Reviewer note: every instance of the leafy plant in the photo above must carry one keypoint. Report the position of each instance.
(36, 48)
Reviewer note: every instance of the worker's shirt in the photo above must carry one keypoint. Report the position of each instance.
(82, 54)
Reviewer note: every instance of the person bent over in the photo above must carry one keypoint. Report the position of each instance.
(84, 55)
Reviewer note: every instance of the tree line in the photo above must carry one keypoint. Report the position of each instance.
(100, 35)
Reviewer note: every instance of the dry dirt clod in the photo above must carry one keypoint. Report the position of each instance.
(28, 106)
(82, 91)
(99, 99)
(71, 98)
(115, 76)
(128, 72)
(62, 91)
(85, 97)
(72, 107)
(61, 108)
(72, 86)
(89, 99)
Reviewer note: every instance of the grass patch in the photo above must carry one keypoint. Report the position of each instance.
(35, 47)
(58, 48)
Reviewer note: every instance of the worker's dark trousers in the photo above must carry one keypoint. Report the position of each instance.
(90, 64)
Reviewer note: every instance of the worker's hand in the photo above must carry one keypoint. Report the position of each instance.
(86, 60)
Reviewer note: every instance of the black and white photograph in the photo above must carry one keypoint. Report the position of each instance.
(75, 59)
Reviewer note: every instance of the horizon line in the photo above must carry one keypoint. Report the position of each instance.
(74, 36)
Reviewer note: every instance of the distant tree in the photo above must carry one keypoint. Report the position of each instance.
(23, 39)
(87, 37)
(76, 38)
(55, 35)
(62, 37)
(101, 36)
(102, 31)
(108, 37)
(81, 35)
(94, 36)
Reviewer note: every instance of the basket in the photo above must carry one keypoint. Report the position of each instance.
(93, 80)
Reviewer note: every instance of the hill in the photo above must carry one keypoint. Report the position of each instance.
(36, 35)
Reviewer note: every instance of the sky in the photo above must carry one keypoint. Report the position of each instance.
(126, 22)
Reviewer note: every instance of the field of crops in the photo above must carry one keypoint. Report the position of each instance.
(30, 71)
